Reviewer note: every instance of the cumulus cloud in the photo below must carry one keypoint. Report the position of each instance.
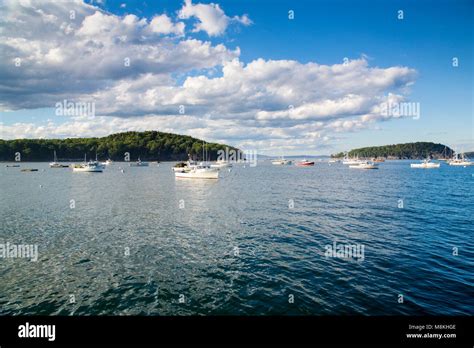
(211, 18)
(144, 74)
(162, 24)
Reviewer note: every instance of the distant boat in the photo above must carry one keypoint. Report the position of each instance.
(107, 162)
(351, 161)
(200, 171)
(425, 164)
(333, 160)
(139, 163)
(460, 161)
(364, 165)
(89, 167)
(29, 170)
(378, 160)
(12, 165)
(281, 162)
(305, 163)
(221, 164)
(56, 164)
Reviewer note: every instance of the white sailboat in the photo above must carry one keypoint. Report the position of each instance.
(56, 164)
(425, 164)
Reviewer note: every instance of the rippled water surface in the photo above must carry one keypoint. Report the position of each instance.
(136, 242)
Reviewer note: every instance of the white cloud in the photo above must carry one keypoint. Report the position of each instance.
(264, 103)
(162, 24)
(211, 18)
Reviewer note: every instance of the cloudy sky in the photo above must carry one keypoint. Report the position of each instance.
(313, 77)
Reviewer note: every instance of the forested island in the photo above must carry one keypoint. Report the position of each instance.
(150, 145)
(418, 150)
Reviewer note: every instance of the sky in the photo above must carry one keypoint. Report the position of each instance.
(278, 77)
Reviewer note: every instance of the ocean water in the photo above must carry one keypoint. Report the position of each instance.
(251, 243)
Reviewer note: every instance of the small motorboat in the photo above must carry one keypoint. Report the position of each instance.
(29, 170)
(139, 163)
(107, 162)
(305, 163)
(364, 165)
(425, 164)
(281, 162)
(12, 165)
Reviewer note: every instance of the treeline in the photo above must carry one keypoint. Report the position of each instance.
(150, 145)
(402, 151)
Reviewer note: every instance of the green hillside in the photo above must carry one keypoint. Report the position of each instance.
(416, 150)
(150, 145)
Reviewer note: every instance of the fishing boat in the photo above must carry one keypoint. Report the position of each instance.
(56, 164)
(200, 171)
(305, 163)
(281, 162)
(139, 163)
(425, 164)
(364, 165)
(89, 167)
(460, 161)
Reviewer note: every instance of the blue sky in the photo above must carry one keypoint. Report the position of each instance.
(323, 32)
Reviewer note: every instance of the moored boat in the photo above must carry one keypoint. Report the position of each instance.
(281, 162)
(460, 161)
(305, 163)
(56, 164)
(425, 164)
(201, 171)
(139, 163)
(364, 165)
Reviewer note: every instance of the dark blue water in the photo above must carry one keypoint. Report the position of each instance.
(137, 242)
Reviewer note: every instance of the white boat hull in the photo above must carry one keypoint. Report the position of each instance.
(87, 170)
(213, 174)
(364, 166)
(425, 165)
(461, 164)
